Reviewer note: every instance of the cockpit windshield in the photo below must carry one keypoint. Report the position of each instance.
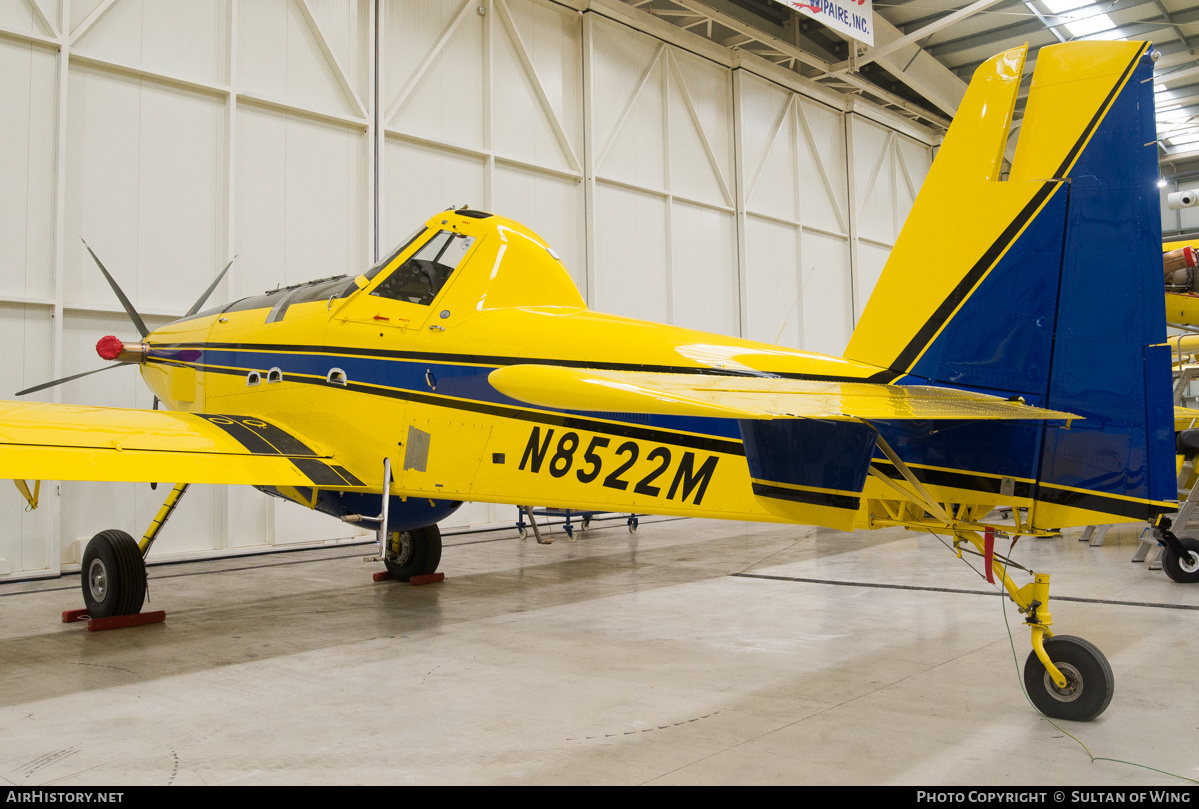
(390, 257)
(417, 280)
(421, 277)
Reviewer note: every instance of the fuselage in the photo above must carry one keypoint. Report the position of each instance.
(369, 373)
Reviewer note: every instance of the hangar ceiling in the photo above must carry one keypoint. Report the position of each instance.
(926, 50)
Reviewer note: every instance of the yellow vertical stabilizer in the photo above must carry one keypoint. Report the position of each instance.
(966, 218)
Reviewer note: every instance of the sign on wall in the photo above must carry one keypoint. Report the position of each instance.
(853, 18)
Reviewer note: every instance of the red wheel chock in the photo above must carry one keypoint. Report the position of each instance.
(430, 578)
(115, 622)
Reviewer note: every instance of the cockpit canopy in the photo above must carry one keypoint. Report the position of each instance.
(521, 270)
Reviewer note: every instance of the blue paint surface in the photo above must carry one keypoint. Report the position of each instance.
(809, 452)
(1111, 308)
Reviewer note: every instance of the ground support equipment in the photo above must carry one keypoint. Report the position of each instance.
(116, 621)
(567, 514)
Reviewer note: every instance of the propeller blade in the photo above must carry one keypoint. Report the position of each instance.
(45, 385)
(133, 315)
(196, 306)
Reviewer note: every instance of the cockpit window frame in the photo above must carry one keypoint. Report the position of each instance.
(433, 260)
(382, 264)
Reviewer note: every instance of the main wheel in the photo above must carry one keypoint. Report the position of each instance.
(1186, 569)
(1089, 680)
(413, 553)
(113, 575)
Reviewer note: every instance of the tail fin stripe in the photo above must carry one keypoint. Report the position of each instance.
(1085, 137)
(911, 353)
(928, 332)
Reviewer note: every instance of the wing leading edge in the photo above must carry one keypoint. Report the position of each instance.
(749, 397)
(70, 442)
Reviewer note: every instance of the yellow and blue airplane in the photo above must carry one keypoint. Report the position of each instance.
(466, 366)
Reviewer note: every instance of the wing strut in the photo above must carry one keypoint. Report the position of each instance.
(926, 499)
(23, 488)
(160, 519)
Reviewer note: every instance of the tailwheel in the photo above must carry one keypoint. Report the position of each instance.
(413, 553)
(1183, 569)
(1089, 680)
(113, 575)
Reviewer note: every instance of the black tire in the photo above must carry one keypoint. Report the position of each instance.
(113, 576)
(415, 553)
(1182, 570)
(1090, 680)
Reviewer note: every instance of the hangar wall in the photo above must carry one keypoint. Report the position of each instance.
(679, 180)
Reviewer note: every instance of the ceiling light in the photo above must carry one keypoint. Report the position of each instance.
(1084, 20)
(1179, 140)
(1058, 6)
(1090, 25)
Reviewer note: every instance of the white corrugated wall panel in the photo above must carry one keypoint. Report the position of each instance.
(179, 39)
(628, 128)
(300, 208)
(280, 58)
(827, 305)
(27, 76)
(704, 269)
(631, 254)
(824, 194)
(772, 284)
(444, 100)
(183, 134)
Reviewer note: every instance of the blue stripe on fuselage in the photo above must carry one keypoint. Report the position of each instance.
(973, 447)
(453, 380)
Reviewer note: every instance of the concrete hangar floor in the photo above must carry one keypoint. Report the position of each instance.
(665, 657)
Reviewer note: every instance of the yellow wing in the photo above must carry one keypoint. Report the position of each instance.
(748, 397)
(72, 442)
(1185, 418)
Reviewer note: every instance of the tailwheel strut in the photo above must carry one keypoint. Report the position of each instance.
(1065, 677)
(113, 574)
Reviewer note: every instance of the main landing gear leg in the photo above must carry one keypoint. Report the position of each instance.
(113, 575)
(1065, 677)
(407, 555)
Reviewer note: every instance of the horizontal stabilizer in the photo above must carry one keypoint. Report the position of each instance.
(749, 397)
(1185, 418)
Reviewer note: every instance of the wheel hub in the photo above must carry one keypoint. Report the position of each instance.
(1074, 685)
(401, 548)
(1189, 563)
(97, 580)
